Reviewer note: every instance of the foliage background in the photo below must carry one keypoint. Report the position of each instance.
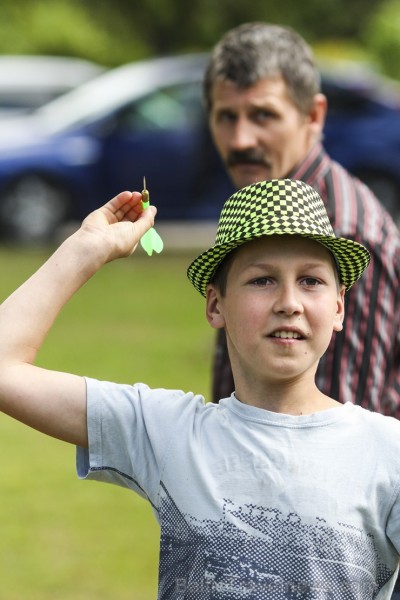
(120, 31)
(65, 540)
(138, 319)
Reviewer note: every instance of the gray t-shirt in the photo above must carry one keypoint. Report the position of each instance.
(254, 505)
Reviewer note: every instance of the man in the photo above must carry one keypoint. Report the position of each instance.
(266, 116)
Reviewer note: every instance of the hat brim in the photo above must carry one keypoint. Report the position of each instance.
(351, 259)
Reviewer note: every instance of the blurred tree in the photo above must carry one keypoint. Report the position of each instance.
(124, 30)
(173, 25)
(65, 27)
(382, 36)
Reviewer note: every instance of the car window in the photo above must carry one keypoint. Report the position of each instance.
(169, 108)
(342, 100)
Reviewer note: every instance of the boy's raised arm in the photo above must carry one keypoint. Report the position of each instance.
(50, 401)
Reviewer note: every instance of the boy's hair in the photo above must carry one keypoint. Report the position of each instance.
(220, 277)
(257, 50)
(277, 207)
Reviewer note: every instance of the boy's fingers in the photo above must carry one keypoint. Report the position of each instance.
(122, 204)
(146, 220)
(139, 223)
(128, 232)
(125, 206)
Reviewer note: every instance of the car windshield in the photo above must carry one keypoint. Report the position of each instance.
(116, 89)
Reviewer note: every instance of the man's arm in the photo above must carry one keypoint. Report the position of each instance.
(50, 401)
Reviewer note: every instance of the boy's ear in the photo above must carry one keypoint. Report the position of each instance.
(213, 307)
(339, 316)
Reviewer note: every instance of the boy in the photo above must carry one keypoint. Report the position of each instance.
(276, 492)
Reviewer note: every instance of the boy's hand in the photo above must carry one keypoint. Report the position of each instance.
(119, 224)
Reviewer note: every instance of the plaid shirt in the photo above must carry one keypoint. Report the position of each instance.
(362, 363)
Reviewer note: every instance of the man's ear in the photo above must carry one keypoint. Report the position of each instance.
(339, 316)
(317, 114)
(213, 307)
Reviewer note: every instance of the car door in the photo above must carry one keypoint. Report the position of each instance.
(164, 137)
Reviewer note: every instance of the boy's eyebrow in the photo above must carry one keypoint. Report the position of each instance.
(306, 266)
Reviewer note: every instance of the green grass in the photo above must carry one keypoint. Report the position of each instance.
(138, 319)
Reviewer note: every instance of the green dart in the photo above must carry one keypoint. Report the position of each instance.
(150, 241)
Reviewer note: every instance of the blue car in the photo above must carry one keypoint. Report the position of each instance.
(362, 129)
(147, 119)
(70, 156)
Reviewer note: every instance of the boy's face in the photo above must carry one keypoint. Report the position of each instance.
(281, 306)
(259, 132)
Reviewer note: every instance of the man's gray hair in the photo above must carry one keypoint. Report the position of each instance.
(254, 51)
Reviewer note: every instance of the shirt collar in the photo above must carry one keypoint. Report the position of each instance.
(311, 166)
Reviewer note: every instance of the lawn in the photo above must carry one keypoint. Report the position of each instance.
(139, 319)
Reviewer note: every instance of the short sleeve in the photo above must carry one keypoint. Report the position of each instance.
(129, 428)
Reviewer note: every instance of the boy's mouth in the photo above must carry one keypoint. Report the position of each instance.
(287, 334)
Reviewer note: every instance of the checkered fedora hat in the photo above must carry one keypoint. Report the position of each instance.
(277, 207)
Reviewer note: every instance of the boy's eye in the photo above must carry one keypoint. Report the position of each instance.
(310, 281)
(261, 281)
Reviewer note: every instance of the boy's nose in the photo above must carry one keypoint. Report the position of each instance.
(288, 300)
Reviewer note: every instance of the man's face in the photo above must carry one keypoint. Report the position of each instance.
(258, 131)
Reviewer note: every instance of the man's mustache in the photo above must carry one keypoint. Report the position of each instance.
(251, 156)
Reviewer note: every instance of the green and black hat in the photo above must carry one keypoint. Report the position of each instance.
(277, 207)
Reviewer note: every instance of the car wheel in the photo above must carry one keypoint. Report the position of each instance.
(387, 192)
(32, 208)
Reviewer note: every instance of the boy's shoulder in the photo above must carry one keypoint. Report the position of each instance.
(378, 426)
(379, 419)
